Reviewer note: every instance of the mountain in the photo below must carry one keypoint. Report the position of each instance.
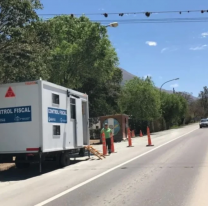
(128, 76)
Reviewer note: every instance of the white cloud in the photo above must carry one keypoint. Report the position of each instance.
(204, 34)
(198, 47)
(174, 85)
(151, 43)
(171, 49)
(164, 49)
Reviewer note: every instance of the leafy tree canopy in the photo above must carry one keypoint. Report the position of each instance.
(203, 99)
(140, 99)
(84, 59)
(24, 42)
(174, 108)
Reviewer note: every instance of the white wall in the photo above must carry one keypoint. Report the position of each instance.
(17, 136)
(65, 140)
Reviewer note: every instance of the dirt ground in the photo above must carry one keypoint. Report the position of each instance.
(94, 141)
(6, 166)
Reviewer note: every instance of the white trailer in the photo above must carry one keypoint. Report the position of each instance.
(41, 121)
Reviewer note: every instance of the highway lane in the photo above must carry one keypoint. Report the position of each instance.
(164, 177)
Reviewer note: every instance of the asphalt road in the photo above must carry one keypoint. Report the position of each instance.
(173, 172)
(169, 176)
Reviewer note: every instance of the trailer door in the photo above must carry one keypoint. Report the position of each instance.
(79, 123)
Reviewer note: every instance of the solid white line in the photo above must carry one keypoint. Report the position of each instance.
(106, 172)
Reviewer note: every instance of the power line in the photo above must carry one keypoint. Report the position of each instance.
(130, 13)
(161, 20)
(155, 21)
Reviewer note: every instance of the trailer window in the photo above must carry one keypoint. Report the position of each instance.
(72, 101)
(56, 130)
(55, 98)
(73, 108)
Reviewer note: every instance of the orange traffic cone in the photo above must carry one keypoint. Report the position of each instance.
(140, 134)
(132, 133)
(104, 144)
(149, 138)
(129, 138)
(112, 144)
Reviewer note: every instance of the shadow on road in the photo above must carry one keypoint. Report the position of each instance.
(14, 174)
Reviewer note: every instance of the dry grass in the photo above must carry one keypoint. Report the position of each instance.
(6, 166)
(96, 141)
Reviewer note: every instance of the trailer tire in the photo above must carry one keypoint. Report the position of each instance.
(64, 161)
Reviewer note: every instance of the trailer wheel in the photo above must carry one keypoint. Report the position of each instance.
(65, 161)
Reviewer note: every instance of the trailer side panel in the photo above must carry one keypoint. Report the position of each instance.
(56, 122)
(19, 118)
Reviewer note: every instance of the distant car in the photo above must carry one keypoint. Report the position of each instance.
(203, 123)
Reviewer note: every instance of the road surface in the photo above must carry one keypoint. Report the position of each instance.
(173, 172)
(165, 177)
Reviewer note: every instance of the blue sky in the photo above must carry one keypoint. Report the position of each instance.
(163, 51)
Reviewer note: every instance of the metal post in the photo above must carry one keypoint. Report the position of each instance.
(40, 160)
(88, 153)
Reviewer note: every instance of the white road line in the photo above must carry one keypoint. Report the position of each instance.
(106, 172)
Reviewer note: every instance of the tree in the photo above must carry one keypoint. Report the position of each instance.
(103, 96)
(187, 96)
(82, 51)
(14, 15)
(174, 108)
(203, 99)
(183, 109)
(196, 110)
(140, 99)
(30, 57)
(24, 42)
(189, 100)
(84, 59)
